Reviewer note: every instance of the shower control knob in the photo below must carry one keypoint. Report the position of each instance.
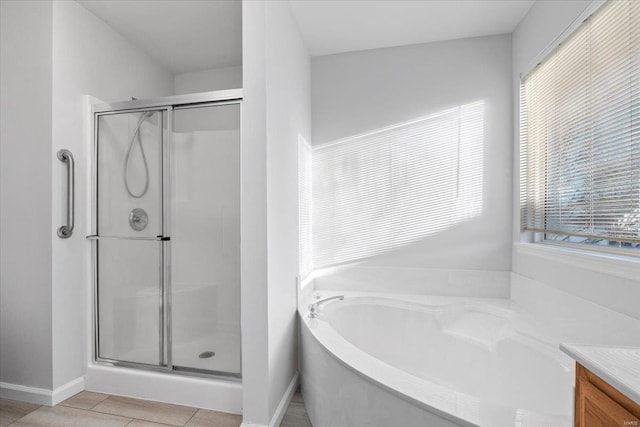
(138, 219)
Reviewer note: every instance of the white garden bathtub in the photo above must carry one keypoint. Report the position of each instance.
(375, 360)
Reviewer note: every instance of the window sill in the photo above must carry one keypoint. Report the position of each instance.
(623, 266)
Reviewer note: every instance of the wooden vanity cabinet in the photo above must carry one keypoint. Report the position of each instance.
(600, 405)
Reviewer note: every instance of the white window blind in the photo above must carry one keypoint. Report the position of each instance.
(580, 133)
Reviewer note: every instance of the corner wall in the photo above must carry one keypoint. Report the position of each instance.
(276, 111)
(253, 190)
(609, 281)
(25, 194)
(288, 119)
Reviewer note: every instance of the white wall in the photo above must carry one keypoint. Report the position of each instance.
(276, 110)
(610, 282)
(253, 227)
(208, 80)
(88, 58)
(288, 119)
(359, 92)
(25, 193)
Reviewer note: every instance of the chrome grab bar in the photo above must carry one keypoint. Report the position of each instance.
(313, 308)
(66, 230)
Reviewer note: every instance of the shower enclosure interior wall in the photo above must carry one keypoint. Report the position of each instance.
(166, 233)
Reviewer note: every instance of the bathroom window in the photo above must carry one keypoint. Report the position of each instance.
(580, 135)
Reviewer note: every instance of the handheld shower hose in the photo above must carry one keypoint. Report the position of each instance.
(136, 137)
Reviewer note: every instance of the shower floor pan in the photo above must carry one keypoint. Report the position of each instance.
(226, 347)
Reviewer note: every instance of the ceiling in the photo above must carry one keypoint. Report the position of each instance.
(181, 35)
(330, 27)
(195, 35)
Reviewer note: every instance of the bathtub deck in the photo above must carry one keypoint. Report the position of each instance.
(422, 381)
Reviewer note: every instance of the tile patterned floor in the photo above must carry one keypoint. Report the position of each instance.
(89, 409)
(296, 415)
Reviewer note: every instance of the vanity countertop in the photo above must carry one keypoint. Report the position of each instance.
(617, 365)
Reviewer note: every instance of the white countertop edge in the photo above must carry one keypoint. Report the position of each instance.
(621, 384)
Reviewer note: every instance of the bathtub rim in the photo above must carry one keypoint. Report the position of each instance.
(398, 382)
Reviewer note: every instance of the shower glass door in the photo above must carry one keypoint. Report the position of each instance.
(167, 235)
(205, 238)
(129, 249)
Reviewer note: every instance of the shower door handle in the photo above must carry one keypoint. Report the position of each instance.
(157, 238)
(65, 231)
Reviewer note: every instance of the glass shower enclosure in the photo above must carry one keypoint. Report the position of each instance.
(166, 233)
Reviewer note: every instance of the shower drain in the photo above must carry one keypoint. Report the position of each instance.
(206, 354)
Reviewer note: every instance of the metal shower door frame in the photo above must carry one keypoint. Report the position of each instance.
(165, 105)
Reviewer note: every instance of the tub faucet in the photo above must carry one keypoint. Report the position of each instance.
(313, 308)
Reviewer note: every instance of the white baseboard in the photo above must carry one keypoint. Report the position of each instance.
(284, 402)
(67, 390)
(281, 410)
(41, 396)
